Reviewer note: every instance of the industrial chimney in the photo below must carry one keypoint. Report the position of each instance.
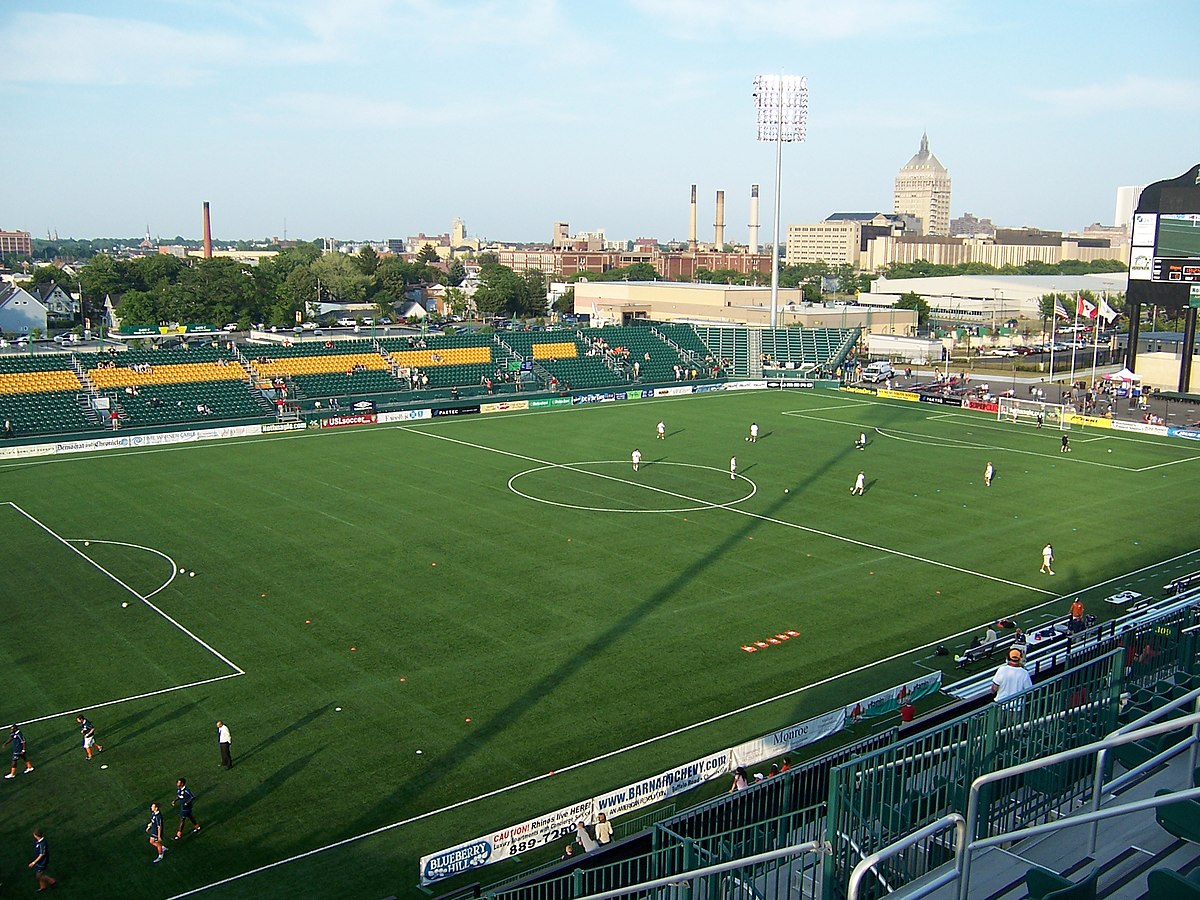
(719, 226)
(754, 219)
(207, 233)
(692, 229)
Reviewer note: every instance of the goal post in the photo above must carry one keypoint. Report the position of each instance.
(1016, 410)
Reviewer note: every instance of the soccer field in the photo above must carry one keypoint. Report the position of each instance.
(506, 595)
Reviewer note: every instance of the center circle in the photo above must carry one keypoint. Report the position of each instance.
(653, 489)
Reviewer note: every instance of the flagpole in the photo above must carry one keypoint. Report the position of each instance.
(1074, 342)
(1053, 331)
(1095, 343)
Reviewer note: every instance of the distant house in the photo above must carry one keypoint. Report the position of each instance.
(20, 311)
(59, 304)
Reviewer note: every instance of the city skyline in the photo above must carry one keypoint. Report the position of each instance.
(376, 119)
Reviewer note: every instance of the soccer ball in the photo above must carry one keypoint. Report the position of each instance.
(786, 491)
(124, 606)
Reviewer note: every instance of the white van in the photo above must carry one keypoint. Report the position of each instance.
(880, 370)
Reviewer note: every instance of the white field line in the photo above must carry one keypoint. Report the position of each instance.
(742, 512)
(634, 746)
(166, 584)
(144, 598)
(169, 690)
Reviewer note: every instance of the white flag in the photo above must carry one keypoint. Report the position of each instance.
(1107, 313)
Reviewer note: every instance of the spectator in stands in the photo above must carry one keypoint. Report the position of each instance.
(583, 839)
(740, 780)
(603, 829)
(1012, 678)
(424, 380)
(568, 851)
(773, 771)
(785, 765)
(453, 393)
(8, 428)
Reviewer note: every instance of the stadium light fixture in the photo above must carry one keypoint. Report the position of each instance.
(782, 102)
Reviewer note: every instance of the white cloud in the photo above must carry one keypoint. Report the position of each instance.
(806, 21)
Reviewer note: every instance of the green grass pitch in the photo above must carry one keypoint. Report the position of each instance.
(506, 595)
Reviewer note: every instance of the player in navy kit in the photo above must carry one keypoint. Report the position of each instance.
(184, 798)
(89, 736)
(154, 829)
(41, 859)
(18, 752)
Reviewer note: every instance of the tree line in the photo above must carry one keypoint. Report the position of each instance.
(161, 288)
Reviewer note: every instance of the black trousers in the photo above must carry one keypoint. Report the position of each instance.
(226, 759)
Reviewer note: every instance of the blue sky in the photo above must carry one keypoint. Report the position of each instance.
(370, 119)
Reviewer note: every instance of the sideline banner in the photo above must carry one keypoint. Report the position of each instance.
(667, 784)
(672, 391)
(938, 398)
(791, 383)
(456, 411)
(791, 738)
(503, 406)
(899, 395)
(499, 845)
(1192, 434)
(745, 385)
(544, 402)
(1141, 427)
(406, 415)
(282, 426)
(1088, 421)
(342, 421)
(891, 700)
(24, 450)
(981, 406)
(858, 390)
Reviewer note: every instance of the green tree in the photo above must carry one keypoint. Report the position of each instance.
(565, 304)
(138, 308)
(340, 278)
(913, 300)
(49, 275)
(456, 299)
(296, 291)
(367, 260)
(457, 274)
(427, 254)
(500, 291)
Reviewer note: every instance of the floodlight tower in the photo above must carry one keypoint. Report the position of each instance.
(782, 102)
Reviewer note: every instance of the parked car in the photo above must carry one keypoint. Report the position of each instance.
(308, 326)
(345, 322)
(232, 326)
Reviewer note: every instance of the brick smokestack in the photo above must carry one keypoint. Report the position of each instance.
(719, 225)
(692, 229)
(754, 219)
(207, 233)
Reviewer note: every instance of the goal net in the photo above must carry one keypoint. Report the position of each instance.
(1031, 412)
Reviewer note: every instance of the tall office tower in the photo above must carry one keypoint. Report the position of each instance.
(923, 191)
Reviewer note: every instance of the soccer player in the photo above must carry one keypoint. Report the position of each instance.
(753, 432)
(988, 472)
(184, 798)
(18, 752)
(636, 458)
(860, 484)
(861, 443)
(89, 736)
(661, 431)
(732, 468)
(1066, 445)
(1047, 558)
(154, 829)
(41, 859)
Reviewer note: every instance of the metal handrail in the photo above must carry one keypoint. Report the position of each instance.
(684, 878)
(1099, 787)
(1053, 759)
(869, 862)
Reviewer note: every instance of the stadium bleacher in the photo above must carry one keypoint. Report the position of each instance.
(656, 358)
(564, 356)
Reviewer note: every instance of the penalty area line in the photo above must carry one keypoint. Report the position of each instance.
(142, 597)
(159, 692)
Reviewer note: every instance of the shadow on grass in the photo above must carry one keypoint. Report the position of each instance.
(299, 724)
(173, 713)
(389, 803)
(274, 782)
